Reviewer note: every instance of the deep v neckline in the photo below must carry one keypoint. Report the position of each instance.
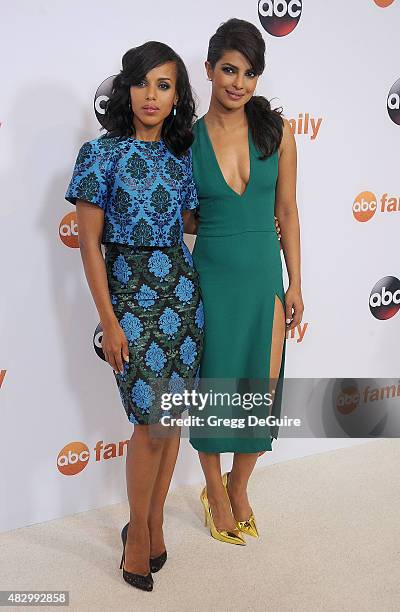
(216, 162)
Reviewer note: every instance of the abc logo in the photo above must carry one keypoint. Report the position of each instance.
(101, 97)
(383, 3)
(360, 411)
(279, 17)
(348, 399)
(384, 301)
(364, 206)
(97, 338)
(68, 230)
(393, 102)
(73, 458)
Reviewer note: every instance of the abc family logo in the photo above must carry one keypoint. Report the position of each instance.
(384, 300)
(350, 396)
(74, 457)
(279, 17)
(366, 205)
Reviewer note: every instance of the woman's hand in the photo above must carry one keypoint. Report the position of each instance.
(278, 229)
(115, 346)
(294, 307)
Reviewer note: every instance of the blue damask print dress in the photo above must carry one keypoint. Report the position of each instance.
(154, 288)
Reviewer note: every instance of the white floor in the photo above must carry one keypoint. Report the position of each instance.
(330, 541)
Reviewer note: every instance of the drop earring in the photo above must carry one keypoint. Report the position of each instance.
(174, 113)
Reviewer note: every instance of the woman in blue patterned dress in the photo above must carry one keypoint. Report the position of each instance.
(130, 187)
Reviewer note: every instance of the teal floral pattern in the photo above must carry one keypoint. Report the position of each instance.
(159, 264)
(169, 322)
(121, 270)
(157, 301)
(141, 186)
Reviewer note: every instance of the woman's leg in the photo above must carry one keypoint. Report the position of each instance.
(160, 490)
(243, 463)
(217, 498)
(242, 467)
(142, 466)
(277, 340)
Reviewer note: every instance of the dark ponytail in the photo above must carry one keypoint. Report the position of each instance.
(266, 124)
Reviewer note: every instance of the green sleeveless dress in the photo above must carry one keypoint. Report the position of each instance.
(237, 256)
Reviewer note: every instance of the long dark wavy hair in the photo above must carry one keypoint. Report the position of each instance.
(266, 124)
(136, 63)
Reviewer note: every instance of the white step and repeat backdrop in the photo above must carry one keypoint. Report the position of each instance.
(334, 68)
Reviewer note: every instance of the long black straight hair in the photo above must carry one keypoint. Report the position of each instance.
(136, 63)
(266, 124)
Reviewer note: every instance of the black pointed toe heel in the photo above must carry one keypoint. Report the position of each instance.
(145, 583)
(156, 563)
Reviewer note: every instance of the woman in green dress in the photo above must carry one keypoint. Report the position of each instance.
(244, 167)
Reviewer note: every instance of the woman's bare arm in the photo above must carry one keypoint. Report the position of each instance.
(90, 228)
(287, 214)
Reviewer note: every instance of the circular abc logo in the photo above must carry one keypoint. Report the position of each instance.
(73, 458)
(101, 97)
(383, 3)
(364, 206)
(97, 338)
(348, 397)
(279, 17)
(358, 411)
(384, 301)
(393, 102)
(68, 230)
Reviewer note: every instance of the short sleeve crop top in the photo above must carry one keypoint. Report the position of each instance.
(141, 186)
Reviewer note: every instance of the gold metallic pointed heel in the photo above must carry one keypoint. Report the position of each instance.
(248, 526)
(230, 537)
